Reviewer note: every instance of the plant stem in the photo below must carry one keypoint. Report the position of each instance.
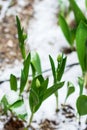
(56, 94)
(31, 118)
(85, 80)
(23, 52)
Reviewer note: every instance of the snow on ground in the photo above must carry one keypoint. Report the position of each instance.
(45, 37)
(4, 5)
(43, 30)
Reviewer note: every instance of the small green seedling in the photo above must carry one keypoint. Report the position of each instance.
(6, 107)
(57, 72)
(27, 58)
(81, 85)
(21, 37)
(70, 33)
(81, 102)
(81, 45)
(24, 73)
(39, 92)
(67, 31)
(77, 12)
(35, 64)
(70, 90)
(23, 78)
(14, 87)
(81, 105)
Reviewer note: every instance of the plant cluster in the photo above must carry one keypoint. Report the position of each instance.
(78, 34)
(39, 89)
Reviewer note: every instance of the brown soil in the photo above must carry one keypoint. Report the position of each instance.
(67, 112)
(48, 125)
(9, 47)
(68, 50)
(14, 124)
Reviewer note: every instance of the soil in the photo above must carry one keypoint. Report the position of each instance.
(14, 124)
(9, 46)
(67, 112)
(67, 50)
(48, 125)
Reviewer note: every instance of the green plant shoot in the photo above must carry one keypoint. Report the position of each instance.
(81, 105)
(70, 33)
(21, 37)
(11, 107)
(57, 72)
(24, 73)
(70, 90)
(66, 30)
(81, 85)
(13, 82)
(4, 104)
(35, 64)
(77, 12)
(81, 102)
(81, 45)
(39, 92)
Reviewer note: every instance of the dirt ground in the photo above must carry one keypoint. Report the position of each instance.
(9, 46)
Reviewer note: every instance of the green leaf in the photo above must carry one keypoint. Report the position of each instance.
(16, 104)
(61, 67)
(22, 116)
(13, 82)
(53, 68)
(81, 85)
(81, 45)
(81, 105)
(43, 88)
(86, 3)
(70, 89)
(37, 91)
(33, 71)
(52, 90)
(73, 34)
(37, 80)
(35, 60)
(77, 12)
(65, 29)
(24, 73)
(33, 100)
(5, 104)
(41, 93)
(21, 37)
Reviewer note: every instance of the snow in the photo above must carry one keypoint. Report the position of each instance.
(4, 5)
(45, 37)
